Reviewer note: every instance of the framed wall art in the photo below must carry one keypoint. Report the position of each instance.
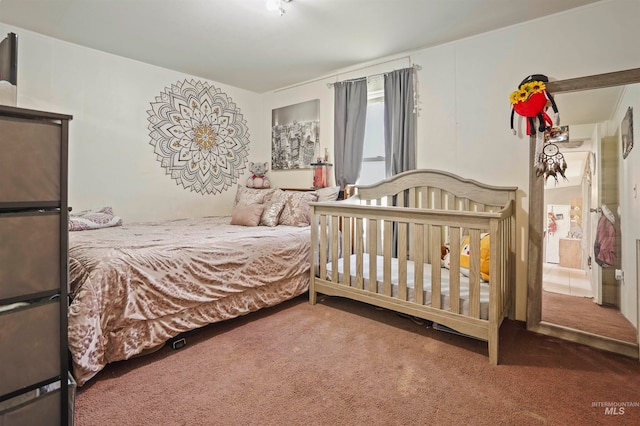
(557, 134)
(295, 135)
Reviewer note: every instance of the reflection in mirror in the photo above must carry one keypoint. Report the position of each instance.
(591, 108)
(577, 291)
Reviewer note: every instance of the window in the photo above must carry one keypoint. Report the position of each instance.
(373, 169)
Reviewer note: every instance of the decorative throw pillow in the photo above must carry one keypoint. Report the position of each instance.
(271, 213)
(247, 215)
(328, 194)
(93, 219)
(247, 196)
(296, 207)
(485, 253)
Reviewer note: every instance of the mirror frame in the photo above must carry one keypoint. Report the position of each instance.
(536, 229)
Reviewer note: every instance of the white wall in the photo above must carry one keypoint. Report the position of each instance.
(111, 162)
(463, 125)
(464, 87)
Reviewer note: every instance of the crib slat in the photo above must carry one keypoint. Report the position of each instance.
(418, 286)
(448, 203)
(402, 260)
(346, 250)
(437, 204)
(512, 267)
(400, 199)
(436, 282)
(478, 207)
(424, 197)
(454, 272)
(315, 224)
(334, 248)
(380, 225)
(503, 233)
(495, 304)
(388, 240)
(464, 204)
(413, 203)
(474, 273)
(372, 227)
(323, 246)
(359, 253)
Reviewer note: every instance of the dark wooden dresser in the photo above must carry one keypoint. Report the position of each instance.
(35, 386)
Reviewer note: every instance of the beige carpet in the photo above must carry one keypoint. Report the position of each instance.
(345, 363)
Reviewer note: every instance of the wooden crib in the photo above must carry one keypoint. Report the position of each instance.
(395, 231)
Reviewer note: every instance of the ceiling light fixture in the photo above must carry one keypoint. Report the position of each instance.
(276, 6)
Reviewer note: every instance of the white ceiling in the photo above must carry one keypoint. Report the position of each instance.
(587, 107)
(240, 43)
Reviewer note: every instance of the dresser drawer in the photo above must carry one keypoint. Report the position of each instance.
(30, 249)
(30, 161)
(42, 410)
(30, 339)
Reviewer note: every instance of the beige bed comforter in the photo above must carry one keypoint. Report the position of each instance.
(135, 286)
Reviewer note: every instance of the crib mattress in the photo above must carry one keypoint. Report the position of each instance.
(444, 287)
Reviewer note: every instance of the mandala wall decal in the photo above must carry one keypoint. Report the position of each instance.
(199, 136)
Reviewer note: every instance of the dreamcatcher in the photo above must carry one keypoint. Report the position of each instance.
(551, 162)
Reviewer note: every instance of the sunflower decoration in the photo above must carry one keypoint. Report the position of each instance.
(530, 101)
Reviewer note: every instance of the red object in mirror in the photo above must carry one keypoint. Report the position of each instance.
(321, 174)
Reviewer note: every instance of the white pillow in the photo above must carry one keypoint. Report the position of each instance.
(328, 194)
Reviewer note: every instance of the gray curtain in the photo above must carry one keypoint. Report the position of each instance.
(399, 122)
(349, 123)
(399, 131)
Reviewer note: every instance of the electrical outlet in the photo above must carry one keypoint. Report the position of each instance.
(619, 274)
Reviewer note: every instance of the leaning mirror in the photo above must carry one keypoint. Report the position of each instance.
(572, 292)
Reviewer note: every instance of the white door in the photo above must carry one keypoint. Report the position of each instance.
(594, 216)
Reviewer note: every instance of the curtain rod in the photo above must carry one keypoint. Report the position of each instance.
(414, 66)
(418, 67)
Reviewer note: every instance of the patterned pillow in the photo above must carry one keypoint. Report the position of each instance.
(247, 196)
(247, 215)
(93, 219)
(296, 207)
(271, 213)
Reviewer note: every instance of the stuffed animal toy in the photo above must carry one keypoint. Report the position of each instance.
(530, 101)
(444, 256)
(485, 253)
(258, 178)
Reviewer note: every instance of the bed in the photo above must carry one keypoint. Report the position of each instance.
(134, 286)
(425, 243)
